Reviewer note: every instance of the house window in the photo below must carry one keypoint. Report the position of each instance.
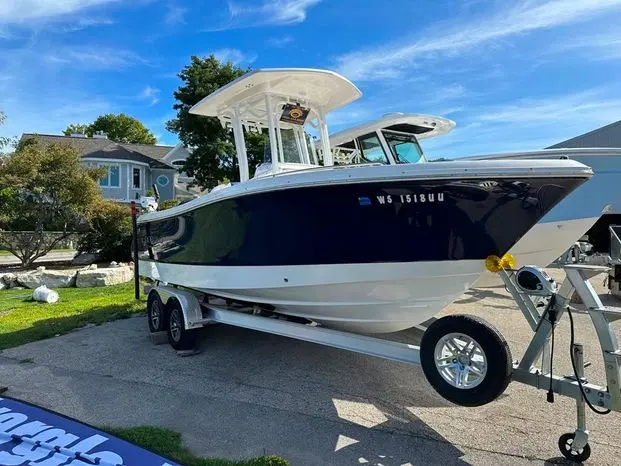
(136, 178)
(112, 179)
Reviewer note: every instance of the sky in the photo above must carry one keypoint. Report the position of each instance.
(513, 74)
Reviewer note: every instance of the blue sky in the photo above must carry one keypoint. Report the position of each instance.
(514, 75)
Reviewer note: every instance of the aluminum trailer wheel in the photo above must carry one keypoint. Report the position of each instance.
(179, 337)
(156, 313)
(466, 360)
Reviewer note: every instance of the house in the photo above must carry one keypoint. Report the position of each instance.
(132, 169)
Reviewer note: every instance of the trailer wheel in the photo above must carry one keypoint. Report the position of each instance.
(466, 360)
(156, 313)
(178, 337)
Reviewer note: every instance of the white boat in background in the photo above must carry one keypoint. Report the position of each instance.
(417, 235)
(394, 140)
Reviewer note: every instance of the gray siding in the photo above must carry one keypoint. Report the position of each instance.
(126, 192)
(168, 191)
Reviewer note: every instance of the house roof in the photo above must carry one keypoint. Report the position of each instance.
(105, 148)
(117, 151)
(606, 136)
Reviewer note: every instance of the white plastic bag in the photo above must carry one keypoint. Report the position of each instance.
(45, 295)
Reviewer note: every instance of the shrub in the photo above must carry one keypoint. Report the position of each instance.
(110, 232)
(168, 204)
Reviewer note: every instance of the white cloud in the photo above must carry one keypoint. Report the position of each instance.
(393, 60)
(592, 105)
(235, 56)
(82, 23)
(265, 13)
(94, 58)
(597, 47)
(279, 42)
(174, 14)
(150, 94)
(527, 124)
(17, 11)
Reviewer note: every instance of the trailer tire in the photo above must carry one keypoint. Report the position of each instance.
(179, 337)
(484, 357)
(156, 313)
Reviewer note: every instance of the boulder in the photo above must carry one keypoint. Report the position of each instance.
(8, 280)
(49, 278)
(103, 277)
(85, 258)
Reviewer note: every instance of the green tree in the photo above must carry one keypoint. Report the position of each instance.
(4, 141)
(77, 128)
(213, 158)
(118, 128)
(44, 188)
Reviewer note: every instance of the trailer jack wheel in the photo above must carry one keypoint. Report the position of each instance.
(565, 442)
(466, 360)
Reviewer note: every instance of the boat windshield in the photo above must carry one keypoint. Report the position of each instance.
(404, 147)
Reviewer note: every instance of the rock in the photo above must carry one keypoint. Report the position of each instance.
(103, 277)
(41, 268)
(8, 280)
(85, 258)
(49, 278)
(92, 267)
(2, 285)
(114, 264)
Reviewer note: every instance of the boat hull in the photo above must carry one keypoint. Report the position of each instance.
(366, 298)
(370, 256)
(542, 245)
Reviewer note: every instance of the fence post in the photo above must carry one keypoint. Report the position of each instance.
(135, 248)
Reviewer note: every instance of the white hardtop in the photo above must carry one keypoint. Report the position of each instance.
(283, 101)
(321, 90)
(422, 126)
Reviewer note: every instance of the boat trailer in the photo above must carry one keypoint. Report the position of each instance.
(464, 358)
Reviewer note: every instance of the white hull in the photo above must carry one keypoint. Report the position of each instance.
(368, 298)
(542, 245)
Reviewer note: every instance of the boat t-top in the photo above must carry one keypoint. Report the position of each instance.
(362, 248)
(394, 139)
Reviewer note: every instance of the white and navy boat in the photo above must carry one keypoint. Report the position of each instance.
(362, 248)
(394, 140)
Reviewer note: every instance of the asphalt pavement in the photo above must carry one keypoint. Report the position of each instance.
(249, 393)
(52, 256)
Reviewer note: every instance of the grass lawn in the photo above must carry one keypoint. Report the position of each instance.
(23, 320)
(168, 443)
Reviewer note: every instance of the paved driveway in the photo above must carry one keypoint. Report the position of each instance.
(250, 393)
(51, 256)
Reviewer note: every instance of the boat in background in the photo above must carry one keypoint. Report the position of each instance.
(394, 140)
(415, 236)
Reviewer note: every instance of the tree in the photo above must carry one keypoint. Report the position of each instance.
(213, 158)
(110, 232)
(44, 188)
(4, 141)
(118, 128)
(77, 128)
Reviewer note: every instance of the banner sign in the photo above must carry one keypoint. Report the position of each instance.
(294, 114)
(30, 435)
